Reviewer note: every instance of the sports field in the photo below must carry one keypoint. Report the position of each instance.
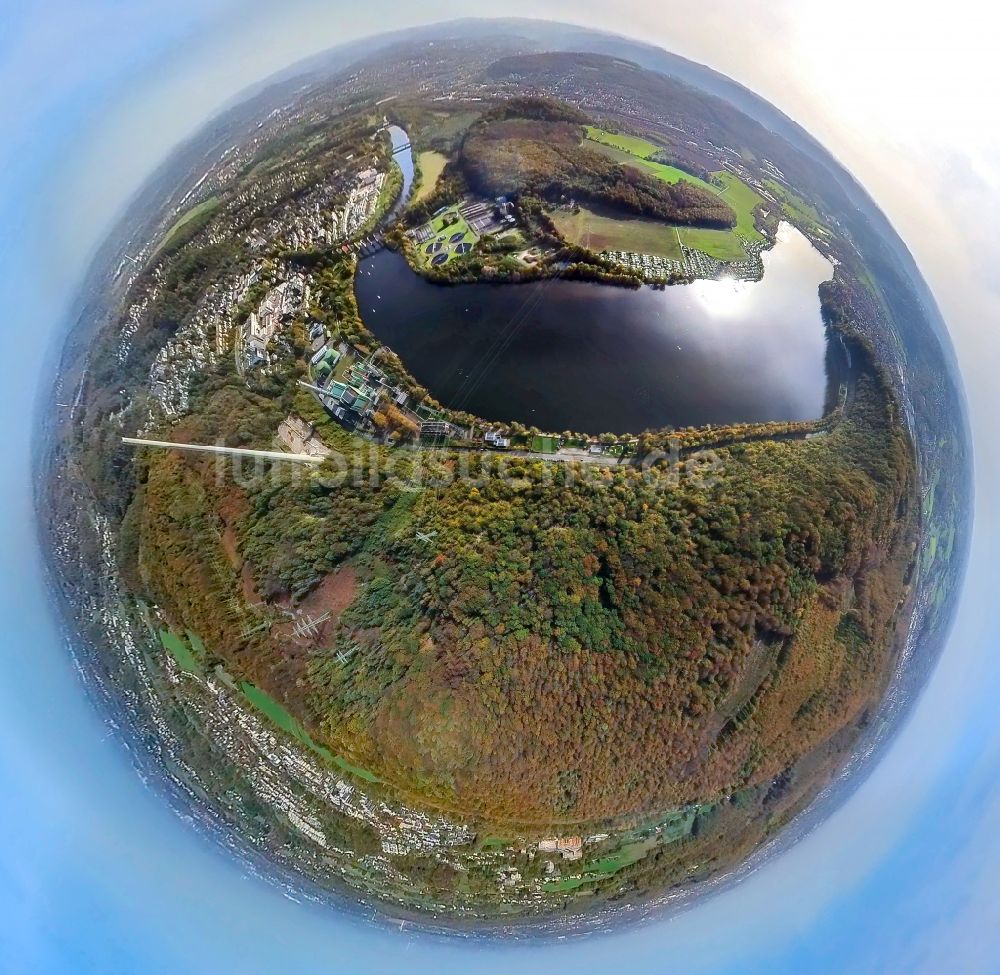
(601, 232)
(544, 445)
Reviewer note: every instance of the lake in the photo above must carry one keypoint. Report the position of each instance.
(572, 355)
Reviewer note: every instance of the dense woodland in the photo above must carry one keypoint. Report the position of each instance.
(566, 648)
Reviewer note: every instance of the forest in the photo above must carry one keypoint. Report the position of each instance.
(535, 646)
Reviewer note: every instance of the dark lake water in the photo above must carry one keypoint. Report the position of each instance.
(573, 355)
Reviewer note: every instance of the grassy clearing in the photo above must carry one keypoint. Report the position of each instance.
(669, 174)
(180, 651)
(431, 167)
(632, 853)
(495, 843)
(601, 232)
(279, 715)
(727, 245)
(626, 143)
(744, 200)
(191, 221)
(544, 445)
(564, 884)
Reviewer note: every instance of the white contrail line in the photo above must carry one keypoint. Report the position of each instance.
(317, 389)
(233, 451)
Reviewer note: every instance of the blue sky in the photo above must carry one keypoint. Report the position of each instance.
(97, 876)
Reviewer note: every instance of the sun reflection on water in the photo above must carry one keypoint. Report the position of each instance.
(725, 298)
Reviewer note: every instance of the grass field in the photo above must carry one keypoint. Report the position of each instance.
(438, 223)
(431, 167)
(280, 716)
(627, 143)
(544, 445)
(601, 232)
(180, 651)
(188, 220)
(669, 174)
(727, 245)
(724, 245)
(495, 843)
(674, 828)
(744, 200)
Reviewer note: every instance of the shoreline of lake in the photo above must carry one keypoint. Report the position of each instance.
(572, 355)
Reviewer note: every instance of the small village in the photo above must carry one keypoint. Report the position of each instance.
(695, 264)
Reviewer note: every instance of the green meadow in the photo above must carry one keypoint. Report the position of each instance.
(724, 245)
(279, 715)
